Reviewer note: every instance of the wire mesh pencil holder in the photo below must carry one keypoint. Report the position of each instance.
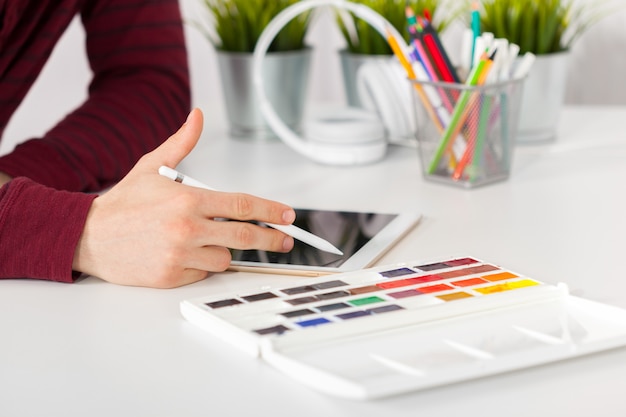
(466, 134)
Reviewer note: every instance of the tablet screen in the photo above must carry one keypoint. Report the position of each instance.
(351, 232)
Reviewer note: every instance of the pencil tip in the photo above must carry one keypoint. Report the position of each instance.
(427, 15)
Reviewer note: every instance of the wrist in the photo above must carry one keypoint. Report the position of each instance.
(83, 254)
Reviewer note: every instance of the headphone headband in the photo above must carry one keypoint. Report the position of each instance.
(323, 152)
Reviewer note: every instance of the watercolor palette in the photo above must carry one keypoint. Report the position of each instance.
(398, 328)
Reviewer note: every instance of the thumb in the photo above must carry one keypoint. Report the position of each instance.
(180, 144)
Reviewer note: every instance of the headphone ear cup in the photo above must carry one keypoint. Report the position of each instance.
(385, 91)
(401, 87)
(345, 126)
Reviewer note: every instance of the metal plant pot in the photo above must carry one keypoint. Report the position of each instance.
(285, 76)
(542, 98)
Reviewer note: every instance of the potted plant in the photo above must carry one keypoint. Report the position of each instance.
(364, 43)
(234, 27)
(547, 28)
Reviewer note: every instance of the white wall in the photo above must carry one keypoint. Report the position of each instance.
(598, 67)
(598, 63)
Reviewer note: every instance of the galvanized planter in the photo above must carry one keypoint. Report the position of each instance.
(285, 76)
(542, 99)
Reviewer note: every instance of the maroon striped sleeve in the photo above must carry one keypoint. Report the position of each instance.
(39, 230)
(138, 96)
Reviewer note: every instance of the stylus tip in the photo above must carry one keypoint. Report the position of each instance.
(332, 249)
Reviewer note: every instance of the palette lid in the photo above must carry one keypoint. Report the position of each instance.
(434, 354)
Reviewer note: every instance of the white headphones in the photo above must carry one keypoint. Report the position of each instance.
(352, 136)
(383, 89)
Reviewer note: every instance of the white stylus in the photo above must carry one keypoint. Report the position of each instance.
(291, 230)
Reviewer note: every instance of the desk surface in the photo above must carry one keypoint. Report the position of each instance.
(97, 349)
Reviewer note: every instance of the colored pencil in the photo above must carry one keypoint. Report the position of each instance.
(397, 50)
(461, 110)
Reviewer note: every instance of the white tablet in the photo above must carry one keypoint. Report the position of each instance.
(363, 237)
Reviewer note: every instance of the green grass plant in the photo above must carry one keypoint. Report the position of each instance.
(238, 24)
(540, 26)
(364, 39)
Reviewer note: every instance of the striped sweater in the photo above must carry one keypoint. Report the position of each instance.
(138, 96)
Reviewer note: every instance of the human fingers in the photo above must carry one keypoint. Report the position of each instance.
(163, 281)
(241, 235)
(190, 266)
(207, 258)
(171, 152)
(240, 206)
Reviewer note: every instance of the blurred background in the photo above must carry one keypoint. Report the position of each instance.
(597, 68)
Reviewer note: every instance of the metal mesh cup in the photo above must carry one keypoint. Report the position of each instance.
(466, 134)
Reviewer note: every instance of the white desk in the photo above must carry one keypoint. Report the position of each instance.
(96, 349)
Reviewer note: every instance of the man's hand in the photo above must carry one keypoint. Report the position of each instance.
(151, 231)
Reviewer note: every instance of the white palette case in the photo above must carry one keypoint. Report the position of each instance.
(398, 328)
